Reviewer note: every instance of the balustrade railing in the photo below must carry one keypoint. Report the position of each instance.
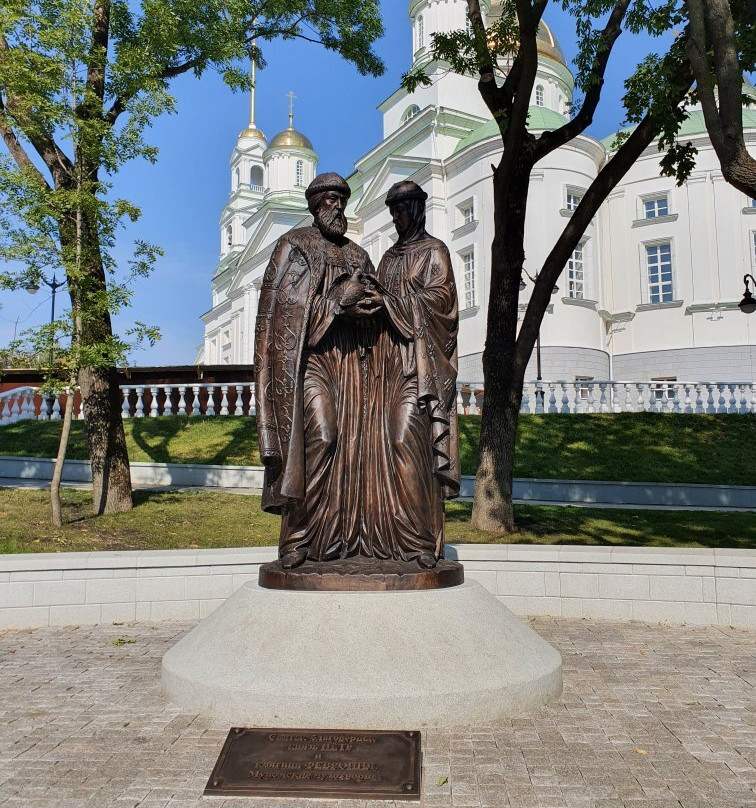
(188, 399)
(547, 397)
(585, 396)
(28, 403)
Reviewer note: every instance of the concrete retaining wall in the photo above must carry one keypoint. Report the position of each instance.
(525, 490)
(703, 587)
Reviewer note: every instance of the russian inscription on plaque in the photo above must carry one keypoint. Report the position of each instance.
(318, 763)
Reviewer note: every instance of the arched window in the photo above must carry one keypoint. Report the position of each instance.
(410, 113)
(256, 177)
(539, 96)
(299, 171)
(229, 236)
(420, 32)
(236, 178)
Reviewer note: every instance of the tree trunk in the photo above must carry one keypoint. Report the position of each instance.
(57, 513)
(100, 393)
(106, 440)
(492, 505)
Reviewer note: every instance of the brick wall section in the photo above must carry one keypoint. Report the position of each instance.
(700, 587)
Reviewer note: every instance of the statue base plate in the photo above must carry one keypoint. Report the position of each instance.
(361, 575)
(406, 660)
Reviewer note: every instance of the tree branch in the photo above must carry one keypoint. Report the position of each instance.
(612, 172)
(16, 149)
(712, 24)
(487, 70)
(54, 158)
(558, 137)
(98, 50)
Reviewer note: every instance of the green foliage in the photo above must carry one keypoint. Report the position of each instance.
(81, 81)
(648, 89)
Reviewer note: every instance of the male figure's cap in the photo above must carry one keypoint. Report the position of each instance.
(328, 182)
(406, 189)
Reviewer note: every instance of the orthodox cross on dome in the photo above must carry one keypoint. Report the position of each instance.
(252, 99)
(291, 97)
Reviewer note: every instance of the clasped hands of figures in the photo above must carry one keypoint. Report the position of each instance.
(360, 297)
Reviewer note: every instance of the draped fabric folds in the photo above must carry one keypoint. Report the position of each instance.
(357, 418)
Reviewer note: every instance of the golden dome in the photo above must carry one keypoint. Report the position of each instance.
(252, 131)
(546, 42)
(290, 138)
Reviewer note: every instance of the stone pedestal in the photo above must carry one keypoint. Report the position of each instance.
(362, 660)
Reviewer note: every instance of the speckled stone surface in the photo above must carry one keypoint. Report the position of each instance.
(651, 717)
(350, 660)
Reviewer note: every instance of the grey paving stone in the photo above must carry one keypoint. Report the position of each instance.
(651, 717)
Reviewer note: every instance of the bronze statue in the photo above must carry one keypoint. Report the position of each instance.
(356, 380)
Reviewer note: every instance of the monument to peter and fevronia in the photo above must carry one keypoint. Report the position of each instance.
(356, 392)
(361, 623)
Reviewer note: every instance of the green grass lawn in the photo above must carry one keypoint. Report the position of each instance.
(643, 447)
(181, 520)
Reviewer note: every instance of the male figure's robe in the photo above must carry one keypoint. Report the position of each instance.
(359, 415)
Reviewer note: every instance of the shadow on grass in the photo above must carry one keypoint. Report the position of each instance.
(214, 441)
(632, 528)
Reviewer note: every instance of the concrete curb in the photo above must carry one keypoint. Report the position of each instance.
(699, 586)
(671, 495)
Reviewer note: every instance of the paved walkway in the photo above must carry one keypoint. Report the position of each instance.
(652, 717)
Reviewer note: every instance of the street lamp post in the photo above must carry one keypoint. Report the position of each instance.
(53, 285)
(539, 378)
(748, 304)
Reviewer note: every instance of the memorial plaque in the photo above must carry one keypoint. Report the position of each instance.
(357, 764)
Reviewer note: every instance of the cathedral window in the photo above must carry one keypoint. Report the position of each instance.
(572, 200)
(539, 96)
(659, 272)
(236, 178)
(420, 32)
(663, 388)
(299, 171)
(256, 178)
(655, 206)
(575, 273)
(410, 113)
(469, 279)
(467, 212)
(229, 236)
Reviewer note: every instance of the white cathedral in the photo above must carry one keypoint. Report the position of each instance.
(650, 294)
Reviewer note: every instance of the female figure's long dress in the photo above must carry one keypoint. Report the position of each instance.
(380, 428)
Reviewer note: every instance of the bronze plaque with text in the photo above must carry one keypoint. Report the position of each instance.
(357, 764)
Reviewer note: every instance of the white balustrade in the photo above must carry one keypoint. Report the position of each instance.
(125, 409)
(153, 401)
(595, 396)
(182, 400)
(547, 397)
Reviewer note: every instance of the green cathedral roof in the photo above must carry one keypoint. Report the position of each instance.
(694, 124)
(539, 119)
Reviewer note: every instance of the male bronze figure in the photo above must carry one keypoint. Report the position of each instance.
(356, 381)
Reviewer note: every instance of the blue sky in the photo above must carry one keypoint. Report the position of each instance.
(182, 195)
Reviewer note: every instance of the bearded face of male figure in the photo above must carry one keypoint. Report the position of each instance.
(329, 214)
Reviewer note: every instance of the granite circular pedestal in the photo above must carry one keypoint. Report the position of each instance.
(362, 660)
